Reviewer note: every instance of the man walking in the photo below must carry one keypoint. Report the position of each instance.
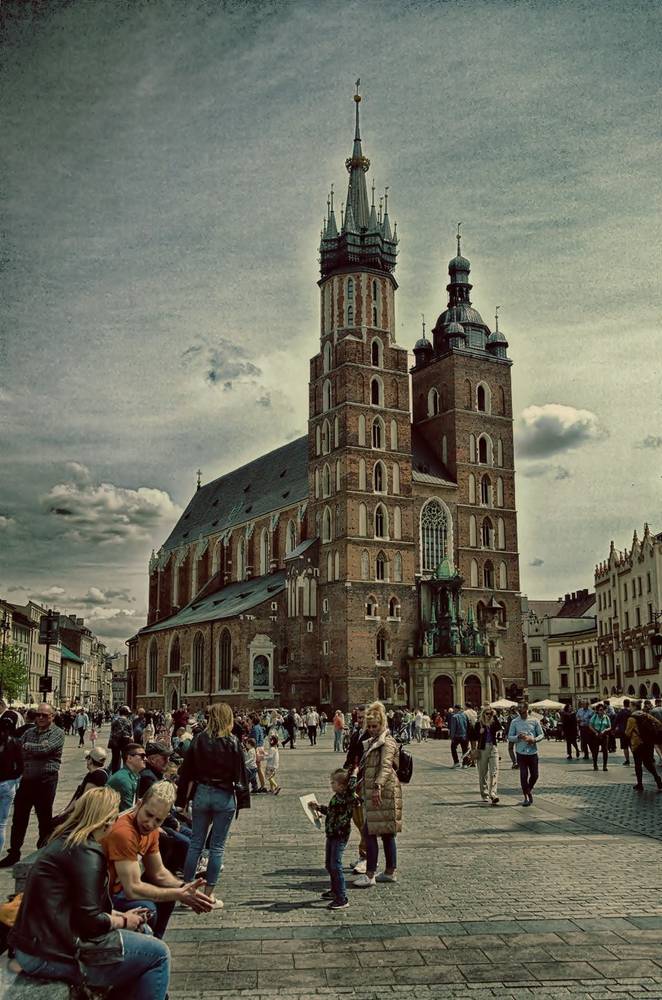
(584, 716)
(526, 734)
(81, 724)
(458, 730)
(41, 745)
(312, 722)
(569, 730)
(644, 731)
(619, 724)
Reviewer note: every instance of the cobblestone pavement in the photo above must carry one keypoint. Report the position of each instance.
(560, 900)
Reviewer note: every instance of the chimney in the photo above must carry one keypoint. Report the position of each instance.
(567, 597)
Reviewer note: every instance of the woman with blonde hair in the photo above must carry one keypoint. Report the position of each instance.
(66, 928)
(382, 796)
(214, 766)
(483, 736)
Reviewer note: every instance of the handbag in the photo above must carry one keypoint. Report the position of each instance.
(105, 949)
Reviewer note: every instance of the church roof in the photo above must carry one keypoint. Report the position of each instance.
(425, 466)
(278, 479)
(232, 600)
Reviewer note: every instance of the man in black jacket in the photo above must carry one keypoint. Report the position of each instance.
(352, 761)
(175, 836)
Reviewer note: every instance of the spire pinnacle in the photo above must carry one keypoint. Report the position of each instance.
(496, 318)
(459, 240)
(357, 100)
(199, 478)
(423, 325)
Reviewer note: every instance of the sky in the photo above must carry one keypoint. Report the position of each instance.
(165, 172)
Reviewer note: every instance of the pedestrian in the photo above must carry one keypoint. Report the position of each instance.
(121, 734)
(81, 724)
(426, 725)
(312, 722)
(323, 722)
(382, 797)
(620, 722)
(599, 729)
(569, 730)
(272, 761)
(655, 714)
(41, 746)
(458, 730)
(484, 737)
(526, 734)
(290, 727)
(11, 768)
(418, 725)
(65, 928)
(250, 763)
(337, 826)
(338, 729)
(584, 714)
(125, 780)
(214, 764)
(643, 731)
(355, 749)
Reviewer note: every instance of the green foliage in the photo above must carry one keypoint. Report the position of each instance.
(13, 672)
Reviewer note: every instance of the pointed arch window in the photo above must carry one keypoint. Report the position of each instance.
(318, 440)
(326, 438)
(381, 521)
(381, 647)
(336, 432)
(488, 575)
(486, 491)
(397, 567)
(376, 352)
(433, 402)
(224, 681)
(198, 659)
(338, 474)
(371, 607)
(444, 449)
(472, 448)
(362, 479)
(363, 520)
(375, 302)
(381, 688)
(291, 538)
(499, 492)
(487, 534)
(468, 397)
(317, 484)
(329, 567)
(472, 532)
(326, 395)
(500, 453)
(394, 435)
(327, 357)
(361, 429)
(397, 523)
(174, 659)
(378, 433)
(502, 400)
(153, 668)
(381, 567)
(365, 565)
(501, 534)
(379, 478)
(336, 565)
(326, 481)
(434, 535)
(376, 392)
(396, 477)
(503, 576)
(483, 398)
(327, 525)
(472, 488)
(473, 574)
(484, 450)
(265, 552)
(393, 608)
(350, 289)
(241, 559)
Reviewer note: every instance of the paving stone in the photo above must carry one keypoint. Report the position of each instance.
(496, 972)
(429, 974)
(551, 971)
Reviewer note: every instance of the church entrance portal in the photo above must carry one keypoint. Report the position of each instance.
(473, 694)
(174, 700)
(443, 692)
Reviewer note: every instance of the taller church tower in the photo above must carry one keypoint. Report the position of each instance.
(359, 440)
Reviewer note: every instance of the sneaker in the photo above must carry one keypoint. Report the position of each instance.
(337, 905)
(638, 788)
(595, 767)
(385, 877)
(457, 765)
(363, 881)
(328, 894)
(276, 790)
(495, 800)
(360, 867)
(217, 903)
(514, 767)
(485, 798)
(604, 767)
(10, 860)
(526, 803)
(626, 763)
(569, 757)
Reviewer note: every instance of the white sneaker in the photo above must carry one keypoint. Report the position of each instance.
(385, 877)
(361, 867)
(457, 765)
(363, 881)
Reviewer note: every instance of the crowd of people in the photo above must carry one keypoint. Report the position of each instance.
(146, 828)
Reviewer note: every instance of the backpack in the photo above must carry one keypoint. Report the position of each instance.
(649, 729)
(405, 767)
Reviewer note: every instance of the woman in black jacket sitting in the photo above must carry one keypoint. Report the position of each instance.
(66, 928)
(483, 736)
(214, 765)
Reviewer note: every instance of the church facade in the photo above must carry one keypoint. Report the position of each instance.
(375, 556)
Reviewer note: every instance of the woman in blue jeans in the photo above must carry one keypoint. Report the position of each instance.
(212, 771)
(66, 913)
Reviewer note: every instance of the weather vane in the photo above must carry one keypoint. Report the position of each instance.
(459, 237)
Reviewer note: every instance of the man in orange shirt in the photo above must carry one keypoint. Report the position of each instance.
(134, 838)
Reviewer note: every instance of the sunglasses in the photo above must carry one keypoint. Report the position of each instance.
(143, 755)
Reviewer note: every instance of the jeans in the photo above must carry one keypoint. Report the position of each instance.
(644, 758)
(358, 819)
(335, 848)
(215, 807)
(570, 743)
(600, 742)
(159, 913)
(37, 794)
(251, 772)
(312, 735)
(458, 741)
(81, 736)
(7, 793)
(584, 739)
(488, 772)
(290, 738)
(528, 771)
(337, 740)
(115, 759)
(372, 849)
(142, 974)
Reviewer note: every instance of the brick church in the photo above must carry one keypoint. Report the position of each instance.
(377, 555)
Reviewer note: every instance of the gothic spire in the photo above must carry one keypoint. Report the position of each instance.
(357, 166)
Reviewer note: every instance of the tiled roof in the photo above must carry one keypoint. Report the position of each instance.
(278, 479)
(300, 549)
(577, 604)
(234, 599)
(424, 460)
(545, 609)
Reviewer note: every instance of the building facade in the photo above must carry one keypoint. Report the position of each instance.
(560, 642)
(628, 586)
(377, 555)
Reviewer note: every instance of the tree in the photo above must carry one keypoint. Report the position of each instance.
(13, 672)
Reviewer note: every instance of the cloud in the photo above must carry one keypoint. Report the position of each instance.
(221, 362)
(114, 623)
(537, 562)
(105, 514)
(651, 441)
(264, 400)
(539, 469)
(7, 523)
(553, 428)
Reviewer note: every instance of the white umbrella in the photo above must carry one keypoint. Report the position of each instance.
(503, 703)
(616, 701)
(546, 703)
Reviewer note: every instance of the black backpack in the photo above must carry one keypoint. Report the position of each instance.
(405, 767)
(650, 729)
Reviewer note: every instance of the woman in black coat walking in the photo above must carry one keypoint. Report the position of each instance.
(569, 729)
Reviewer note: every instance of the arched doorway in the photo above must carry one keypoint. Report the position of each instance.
(655, 690)
(442, 692)
(473, 691)
(643, 691)
(174, 700)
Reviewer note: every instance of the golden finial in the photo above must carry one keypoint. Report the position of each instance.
(357, 96)
(459, 237)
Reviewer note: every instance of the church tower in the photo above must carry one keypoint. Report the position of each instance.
(360, 450)
(462, 405)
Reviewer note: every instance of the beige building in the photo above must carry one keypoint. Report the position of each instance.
(560, 648)
(629, 600)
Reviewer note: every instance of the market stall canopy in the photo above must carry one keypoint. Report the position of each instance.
(503, 703)
(547, 703)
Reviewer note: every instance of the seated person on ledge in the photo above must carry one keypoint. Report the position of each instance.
(135, 837)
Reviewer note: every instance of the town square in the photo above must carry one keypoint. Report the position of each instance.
(330, 538)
